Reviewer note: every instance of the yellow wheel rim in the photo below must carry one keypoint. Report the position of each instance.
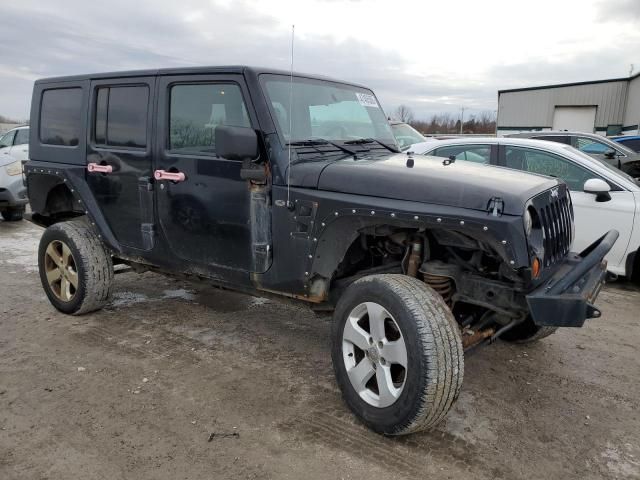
(61, 271)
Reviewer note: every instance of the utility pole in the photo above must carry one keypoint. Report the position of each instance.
(461, 119)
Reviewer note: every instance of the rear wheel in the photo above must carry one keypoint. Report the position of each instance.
(13, 214)
(75, 269)
(396, 353)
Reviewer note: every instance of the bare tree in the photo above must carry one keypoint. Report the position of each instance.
(404, 114)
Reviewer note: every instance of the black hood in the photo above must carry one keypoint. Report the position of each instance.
(459, 184)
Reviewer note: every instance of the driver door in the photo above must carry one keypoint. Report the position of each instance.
(205, 215)
(592, 219)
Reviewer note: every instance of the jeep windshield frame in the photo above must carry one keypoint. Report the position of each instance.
(325, 110)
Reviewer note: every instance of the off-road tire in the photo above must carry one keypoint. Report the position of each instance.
(527, 332)
(435, 358)
(12, 214)
(93, 262)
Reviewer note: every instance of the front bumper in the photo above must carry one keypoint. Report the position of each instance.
(566, 299)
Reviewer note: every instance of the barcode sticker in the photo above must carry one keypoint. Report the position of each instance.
(367, 100)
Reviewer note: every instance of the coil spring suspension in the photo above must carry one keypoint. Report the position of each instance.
(442, 285)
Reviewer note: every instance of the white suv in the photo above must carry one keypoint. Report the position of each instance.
(603, 197)
(14, 151)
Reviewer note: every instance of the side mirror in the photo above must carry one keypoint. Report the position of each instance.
(236, 143)
(610, 153)
(599, 188)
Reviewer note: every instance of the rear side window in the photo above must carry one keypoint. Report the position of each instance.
(470, 153)
(22, 137)
(196, 111)
(60, 116)
(121, 116)
(588, 145)
(632, 144)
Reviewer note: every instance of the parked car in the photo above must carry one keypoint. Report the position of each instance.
(14, 151)
(632, 142)
(405, 134)
(417, 260)
(602, 148)
(603, 197)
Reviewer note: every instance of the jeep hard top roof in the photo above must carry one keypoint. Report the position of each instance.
(231, 69)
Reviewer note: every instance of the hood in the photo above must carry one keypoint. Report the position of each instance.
(459, 184)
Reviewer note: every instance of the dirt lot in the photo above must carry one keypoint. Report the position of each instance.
(134, 391)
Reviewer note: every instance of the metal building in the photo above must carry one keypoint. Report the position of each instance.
(606, 107)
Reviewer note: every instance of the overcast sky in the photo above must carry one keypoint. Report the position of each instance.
(432, 56)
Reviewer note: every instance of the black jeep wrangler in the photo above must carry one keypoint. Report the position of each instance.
(293, 185)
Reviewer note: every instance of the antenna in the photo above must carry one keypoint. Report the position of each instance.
(293, 30)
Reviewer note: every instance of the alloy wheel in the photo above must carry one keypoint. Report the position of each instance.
(375, 354)
(61, 270)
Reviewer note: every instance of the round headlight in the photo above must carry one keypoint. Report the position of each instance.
(528, 222)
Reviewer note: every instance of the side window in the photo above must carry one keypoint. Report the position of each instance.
(196, 110)
(470, 153)
(22, 137)
(588, 145)
(121, 116)
(633, 144)
(536, 161)
(60, 116)
(554, 138)
(7, 139)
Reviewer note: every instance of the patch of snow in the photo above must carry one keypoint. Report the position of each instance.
(179, 293)
(126, 299)
(258, 301)
(20, 248)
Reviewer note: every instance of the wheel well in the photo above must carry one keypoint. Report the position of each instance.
(59, 206)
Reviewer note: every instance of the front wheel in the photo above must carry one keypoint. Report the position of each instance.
(396, 353)
(75, 269)
(13, 214)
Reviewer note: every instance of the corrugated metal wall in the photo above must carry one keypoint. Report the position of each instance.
(534, 108)
(632, 114)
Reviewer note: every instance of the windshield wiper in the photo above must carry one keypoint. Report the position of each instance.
(320, 141)
(361, 141)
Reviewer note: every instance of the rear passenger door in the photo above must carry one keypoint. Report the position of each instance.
(119, 157)
(204, 213)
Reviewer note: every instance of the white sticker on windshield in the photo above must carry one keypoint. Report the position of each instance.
(367, 100)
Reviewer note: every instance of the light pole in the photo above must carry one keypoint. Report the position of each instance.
(461, 119)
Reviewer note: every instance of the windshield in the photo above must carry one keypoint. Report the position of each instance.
(406, 135)
(324, 110)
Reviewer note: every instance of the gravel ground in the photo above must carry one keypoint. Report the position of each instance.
(137, 390)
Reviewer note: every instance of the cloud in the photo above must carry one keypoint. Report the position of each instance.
(626, 11)
(422, 68)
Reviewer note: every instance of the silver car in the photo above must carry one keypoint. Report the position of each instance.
(14, 151)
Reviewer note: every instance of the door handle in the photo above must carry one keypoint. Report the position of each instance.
(94, 167)
(173, 176)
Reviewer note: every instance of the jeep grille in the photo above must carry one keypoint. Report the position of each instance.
(555, 212)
